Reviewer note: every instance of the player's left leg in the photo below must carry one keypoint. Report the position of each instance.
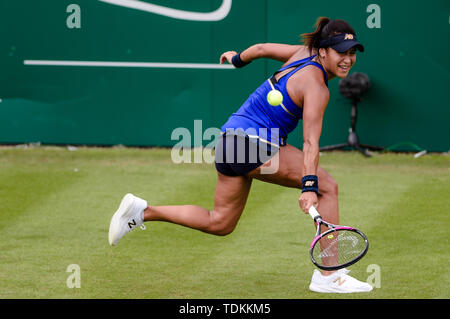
(289, 173)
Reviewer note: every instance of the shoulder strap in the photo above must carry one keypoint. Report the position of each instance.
(299, 65)
(295, 63)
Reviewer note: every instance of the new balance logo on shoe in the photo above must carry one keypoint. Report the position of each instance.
(339, 281)
(132, 223)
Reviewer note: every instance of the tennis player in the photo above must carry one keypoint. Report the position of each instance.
(253, 144)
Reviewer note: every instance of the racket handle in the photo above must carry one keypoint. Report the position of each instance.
(313, 213)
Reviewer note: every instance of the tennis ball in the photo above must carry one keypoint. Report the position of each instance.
(274, 97)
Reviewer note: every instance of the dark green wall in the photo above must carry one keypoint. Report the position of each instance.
(407, 60)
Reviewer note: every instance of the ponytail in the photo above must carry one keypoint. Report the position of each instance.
(312, 40)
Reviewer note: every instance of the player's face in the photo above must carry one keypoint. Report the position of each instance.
(340, 63)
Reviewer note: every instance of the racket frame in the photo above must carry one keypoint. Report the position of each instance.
(319, 221)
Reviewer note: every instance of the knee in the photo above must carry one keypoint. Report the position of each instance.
(294, 177)
(328, 186)
(220, 225)
(224, 231)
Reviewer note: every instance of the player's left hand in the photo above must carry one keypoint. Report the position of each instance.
(227, 56)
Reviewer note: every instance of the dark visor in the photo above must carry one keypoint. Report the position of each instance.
(342, 42)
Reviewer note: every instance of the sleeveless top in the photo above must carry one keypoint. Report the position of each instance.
(271, 124)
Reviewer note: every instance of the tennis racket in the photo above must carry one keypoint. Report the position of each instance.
(338, 246)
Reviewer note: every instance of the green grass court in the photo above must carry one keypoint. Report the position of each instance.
(56, 206)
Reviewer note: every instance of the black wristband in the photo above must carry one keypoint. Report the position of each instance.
(310, 183)
(237, 62)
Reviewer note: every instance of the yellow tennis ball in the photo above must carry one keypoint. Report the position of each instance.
(274, 97)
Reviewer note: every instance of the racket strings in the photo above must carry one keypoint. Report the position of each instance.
(339, 247)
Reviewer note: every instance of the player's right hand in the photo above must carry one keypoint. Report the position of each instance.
(306, 200)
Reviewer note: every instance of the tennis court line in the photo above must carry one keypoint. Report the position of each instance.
(129, 64)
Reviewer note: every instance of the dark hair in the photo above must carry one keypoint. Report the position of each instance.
(325, 28)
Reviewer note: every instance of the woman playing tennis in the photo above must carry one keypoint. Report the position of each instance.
(253, 144)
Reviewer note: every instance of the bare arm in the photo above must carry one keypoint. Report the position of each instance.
(315, 101)
(276, 51)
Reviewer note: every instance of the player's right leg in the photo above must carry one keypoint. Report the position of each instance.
(229, 202)
(232, 189)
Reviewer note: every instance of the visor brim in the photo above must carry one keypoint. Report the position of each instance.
(347, 45)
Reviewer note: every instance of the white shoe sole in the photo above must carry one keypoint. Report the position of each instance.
(124, 212)
(328, 289)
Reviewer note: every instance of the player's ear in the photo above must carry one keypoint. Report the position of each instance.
(322, 53)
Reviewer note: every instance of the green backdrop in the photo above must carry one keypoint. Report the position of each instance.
(406, 60)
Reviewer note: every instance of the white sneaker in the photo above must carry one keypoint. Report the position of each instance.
(337, 282)
(129, 216)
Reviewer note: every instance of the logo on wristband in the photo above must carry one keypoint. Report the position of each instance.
(310, 183)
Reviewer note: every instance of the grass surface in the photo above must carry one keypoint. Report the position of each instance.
(55, 208)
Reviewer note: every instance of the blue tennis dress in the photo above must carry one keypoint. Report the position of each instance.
(270, 124)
